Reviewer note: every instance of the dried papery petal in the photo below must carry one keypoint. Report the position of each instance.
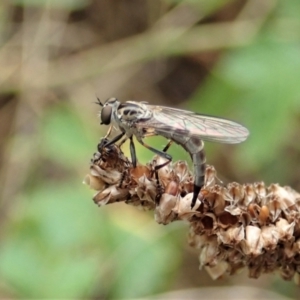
(108, 176)
(292, 193)
(233, 210)
(235, 193)
(275, 207)
(183, 207)
(283, 201)
(209, 253)
(245, 219)
(210, 176)
(95, 183)
(218, 270)
(288, 251)
(172, 188)
(250, 194)
(231, 236)
(146, 190)
(164, 213)
(253, 244)
(197, 241)
(188, 185)
(215, 199)
(260, 190)
(110, 195)
(287, 196)
(285, 230)
(181, 170)
(270, 237)
(236, 259)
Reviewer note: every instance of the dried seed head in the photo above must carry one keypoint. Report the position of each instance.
(233, 226)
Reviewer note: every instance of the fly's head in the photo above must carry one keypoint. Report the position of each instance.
(108, 110)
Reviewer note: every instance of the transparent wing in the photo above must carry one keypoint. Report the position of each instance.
(166, 120)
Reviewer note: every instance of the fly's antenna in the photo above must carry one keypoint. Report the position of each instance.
(99, 102)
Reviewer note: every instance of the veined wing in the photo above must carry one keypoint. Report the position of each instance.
(209, 128)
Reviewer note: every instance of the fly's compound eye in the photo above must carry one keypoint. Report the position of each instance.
(106, 115)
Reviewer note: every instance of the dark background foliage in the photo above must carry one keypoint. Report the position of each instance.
(235, 59)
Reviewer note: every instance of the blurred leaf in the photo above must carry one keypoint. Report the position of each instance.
(288, 9)
(285, 288)
(145, 266)
(65, 4)
(206, 7)
(65, 138)
(259, 85)
(268, 73)
(47, 253)
(59, 239)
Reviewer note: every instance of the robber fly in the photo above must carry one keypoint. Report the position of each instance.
(185, 128)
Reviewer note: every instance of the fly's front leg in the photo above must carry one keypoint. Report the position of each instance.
(104, 140)
(107, 144)
(108, 132)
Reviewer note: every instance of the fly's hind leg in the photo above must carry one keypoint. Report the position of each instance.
(165, 155)
(123, 177)
(156, 168)
(166, 148)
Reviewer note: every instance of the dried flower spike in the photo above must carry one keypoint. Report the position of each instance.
(233, 226)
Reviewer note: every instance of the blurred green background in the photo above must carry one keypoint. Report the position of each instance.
(235, 59)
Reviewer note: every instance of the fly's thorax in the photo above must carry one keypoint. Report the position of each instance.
(127, 114)
(131, 111)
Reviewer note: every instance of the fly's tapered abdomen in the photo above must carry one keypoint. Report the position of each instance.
(194, 146)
